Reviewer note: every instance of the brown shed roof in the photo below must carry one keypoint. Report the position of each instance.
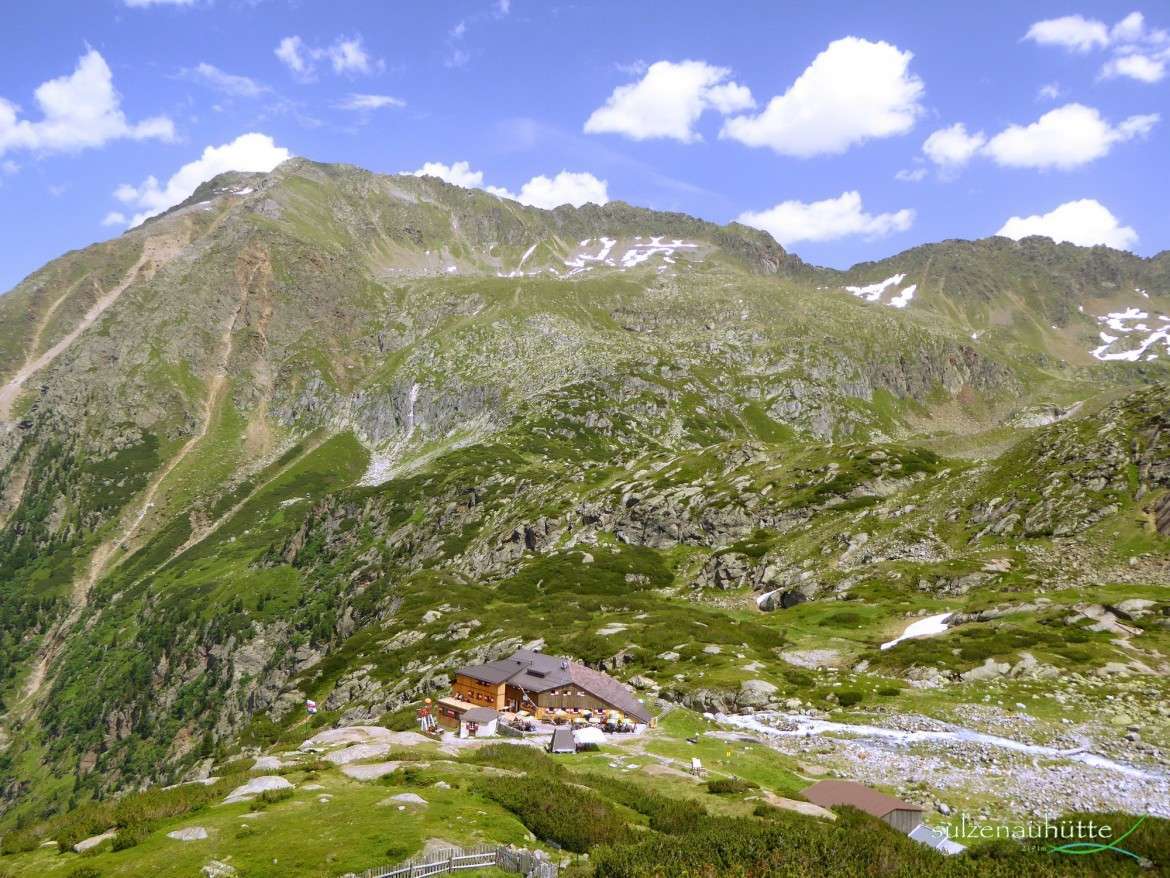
(828, 793)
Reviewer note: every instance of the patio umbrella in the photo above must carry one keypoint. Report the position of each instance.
(588, 735)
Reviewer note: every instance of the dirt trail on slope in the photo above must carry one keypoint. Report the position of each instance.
(156, 252)
(100, 560)
(215, 387)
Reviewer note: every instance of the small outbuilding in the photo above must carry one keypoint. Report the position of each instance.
(562, 741)
(479, 722)
(903, 816)
(937, 839)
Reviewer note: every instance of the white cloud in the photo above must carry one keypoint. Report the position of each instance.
(293, 54)
(503, 7)
(80, 111)
(345, 56)
(9, 167)
(1143, 68)
(853, 91)
(844, 216)
(457, 174)
(350, 56)
(457, 58)
(1130, 29)
(1049, 91)
(1086, 222)
(1064, 138)
(1139, 52)
(228, 83)
(953, 147)
(364, 102)
(248, 152)
(1073, 32)
(567, 187)
(637, 67)
(668, 101)
(142, 4)
(911, 175)
(114, 218)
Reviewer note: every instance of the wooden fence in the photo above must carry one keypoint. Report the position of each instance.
(450, 860)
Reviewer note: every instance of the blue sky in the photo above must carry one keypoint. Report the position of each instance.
(851, 131)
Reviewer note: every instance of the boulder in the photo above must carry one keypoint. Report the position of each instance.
(370, 770)
(728, 570)
(256, 786)
(409, 799)
(356, 752)
(1133, 608)
(755, 693)
(989, 670)
(188, 833)
(93, 841)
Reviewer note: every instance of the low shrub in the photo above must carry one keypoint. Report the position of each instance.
(90, 819)
(668, 815)
(398, 852)
(517, 757)
(889, 691)
(418, 756)
(404, 719)
(850, 697)
(731, 786)
(270, 797)
(795, 845)
(19, 841)
(130, 837)
(409, 776)
(574, 818)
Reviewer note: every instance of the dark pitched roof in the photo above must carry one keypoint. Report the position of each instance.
(828, 793)
(608, 690)
(539, 672)
(489, 672)
(480, 715)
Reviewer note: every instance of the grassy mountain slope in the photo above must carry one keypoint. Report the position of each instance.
(340, 433)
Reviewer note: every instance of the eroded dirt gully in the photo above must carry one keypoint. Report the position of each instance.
(252, 275)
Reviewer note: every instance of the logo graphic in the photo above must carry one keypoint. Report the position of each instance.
(1082, 848)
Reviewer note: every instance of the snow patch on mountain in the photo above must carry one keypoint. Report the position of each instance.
(1138, 335)
(886, 292)
(624, 256)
